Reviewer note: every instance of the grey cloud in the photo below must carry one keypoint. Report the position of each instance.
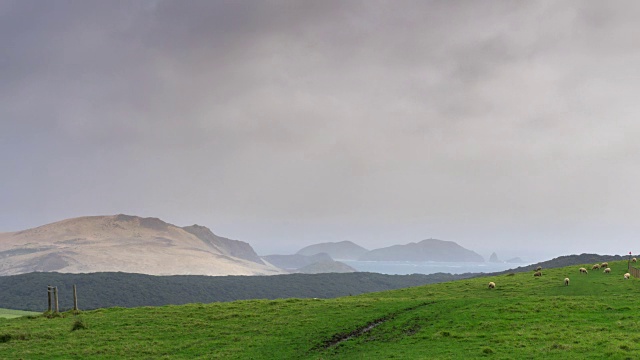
(484, 123)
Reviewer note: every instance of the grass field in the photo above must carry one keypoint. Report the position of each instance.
(10, 314)
(597, 315)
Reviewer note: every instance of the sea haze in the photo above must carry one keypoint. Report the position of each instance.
(428, 267)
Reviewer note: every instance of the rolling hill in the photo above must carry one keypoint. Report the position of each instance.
(128, 244)
(524, 317)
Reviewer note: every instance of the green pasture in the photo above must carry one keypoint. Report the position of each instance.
(524, 317)
(10, 314)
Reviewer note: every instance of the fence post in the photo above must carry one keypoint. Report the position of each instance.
(49, 297)
(55, 297)
(75, 299)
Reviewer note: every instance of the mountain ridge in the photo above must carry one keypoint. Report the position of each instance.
(425, 250)
(126, 243)
(340, 250)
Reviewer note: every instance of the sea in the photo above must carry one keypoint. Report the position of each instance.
(428, 267)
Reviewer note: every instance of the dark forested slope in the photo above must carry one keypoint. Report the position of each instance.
(97, 290)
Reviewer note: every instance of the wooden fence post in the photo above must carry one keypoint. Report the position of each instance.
(49, 297)
(75, 299)
(55, 297)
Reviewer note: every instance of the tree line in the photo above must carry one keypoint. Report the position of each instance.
(108, 289)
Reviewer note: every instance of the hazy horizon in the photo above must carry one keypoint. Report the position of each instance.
(503, 126)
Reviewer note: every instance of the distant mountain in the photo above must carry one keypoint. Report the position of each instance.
(425, 250)
(326, 267)
(343, 250)
(296, 261)
(127, 244)
(235, 248)
(494, 258)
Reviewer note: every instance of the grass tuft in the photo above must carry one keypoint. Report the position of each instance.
(79, 324)
(488, 351)
(4, 338)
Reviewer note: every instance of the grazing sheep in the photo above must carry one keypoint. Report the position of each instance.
(583, 270)
(627, 276)
(604, 265)
(539, 268)
(492, 285)
(537, 273)
(566, 281)
(595, 267)
(634, 260)
(607, 270)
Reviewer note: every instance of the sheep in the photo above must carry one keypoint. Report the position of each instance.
(583, 270)
(634, 260)
(492, 285)
(604, 265)
(566, 281)
(539, 268)
(595, 267)
(627, 276)
(607, 270)
(537, 273)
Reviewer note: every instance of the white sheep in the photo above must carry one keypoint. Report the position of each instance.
(537, 273)
(604, 265)
(627, 276)
(583, 270)
(634, 260)
(492, 285)
(595, 267)
(566, 281)
(607, 270)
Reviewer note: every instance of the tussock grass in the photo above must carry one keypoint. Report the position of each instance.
(79, 324)
(523, 318)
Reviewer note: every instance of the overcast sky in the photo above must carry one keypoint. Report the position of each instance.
(504, 126)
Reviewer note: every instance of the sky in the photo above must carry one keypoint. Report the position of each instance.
(503, 126)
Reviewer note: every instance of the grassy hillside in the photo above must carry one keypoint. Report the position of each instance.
(10, 314)
(523, 318)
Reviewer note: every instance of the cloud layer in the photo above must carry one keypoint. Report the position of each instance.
(287, 123)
